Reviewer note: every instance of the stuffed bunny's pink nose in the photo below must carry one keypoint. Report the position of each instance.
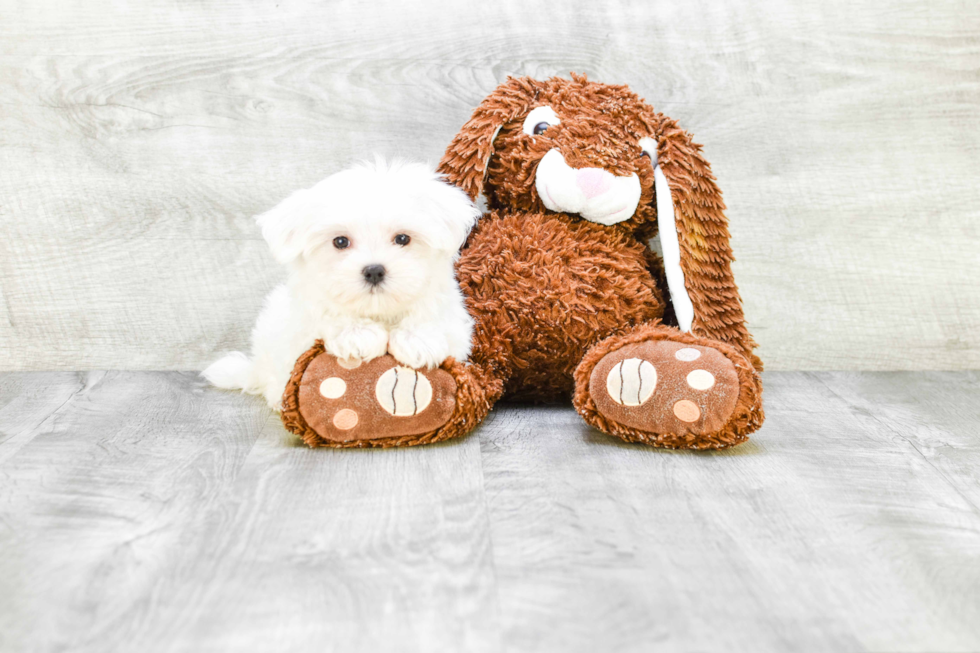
(593, 181)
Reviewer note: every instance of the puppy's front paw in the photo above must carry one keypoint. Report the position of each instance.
(418, 349)
(363, 341)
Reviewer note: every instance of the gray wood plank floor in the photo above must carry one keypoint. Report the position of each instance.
(145, 512)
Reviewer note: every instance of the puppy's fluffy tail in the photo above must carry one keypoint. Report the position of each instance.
(231, 372)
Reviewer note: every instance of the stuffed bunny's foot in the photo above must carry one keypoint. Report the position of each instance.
(348, 403)
(675, 392)
(666, 387)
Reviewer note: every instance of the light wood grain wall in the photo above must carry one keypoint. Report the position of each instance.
(138, 139)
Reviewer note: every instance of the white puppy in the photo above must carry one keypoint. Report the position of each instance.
(370, 253)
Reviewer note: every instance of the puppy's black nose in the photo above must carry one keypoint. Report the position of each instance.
(374, 274)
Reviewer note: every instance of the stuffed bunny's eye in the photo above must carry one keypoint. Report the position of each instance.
(539, 120)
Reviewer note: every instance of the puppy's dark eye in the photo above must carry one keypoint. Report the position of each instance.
(341, 242)
(540, 128)
(645, 154)
(403, 239)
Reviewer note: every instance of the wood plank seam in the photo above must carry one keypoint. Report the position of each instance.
(893, 431)
(13, 444)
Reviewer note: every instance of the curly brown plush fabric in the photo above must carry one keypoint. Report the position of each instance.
(545, 288)
(556, 297)
(553, 293)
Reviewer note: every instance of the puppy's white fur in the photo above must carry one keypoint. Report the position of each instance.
(416, 314)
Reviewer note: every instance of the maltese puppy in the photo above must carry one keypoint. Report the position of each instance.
(370, 253)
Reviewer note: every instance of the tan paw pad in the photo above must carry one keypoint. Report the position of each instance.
(687, 354)
(345, 419)
(687, 411)
(631, 382)
(333, 388)
(700, 379)
(403, 392)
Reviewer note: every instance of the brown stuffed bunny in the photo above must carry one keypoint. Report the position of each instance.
(568, 299)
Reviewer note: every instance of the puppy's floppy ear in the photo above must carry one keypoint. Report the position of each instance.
(694, 238)
(451, 215)
(286, 226)
(465, 163)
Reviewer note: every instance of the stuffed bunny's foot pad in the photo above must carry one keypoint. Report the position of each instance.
(663, 387)
(348, 402)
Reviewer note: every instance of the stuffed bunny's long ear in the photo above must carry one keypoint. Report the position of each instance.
(695, 241)
(466, 161)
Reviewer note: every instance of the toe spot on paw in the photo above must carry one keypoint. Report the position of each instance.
(403, 392)
(631, 382)
(687, 354)
(687, 411)
(345, 419)
(333, 388)
(349, 363)
(700, 379)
